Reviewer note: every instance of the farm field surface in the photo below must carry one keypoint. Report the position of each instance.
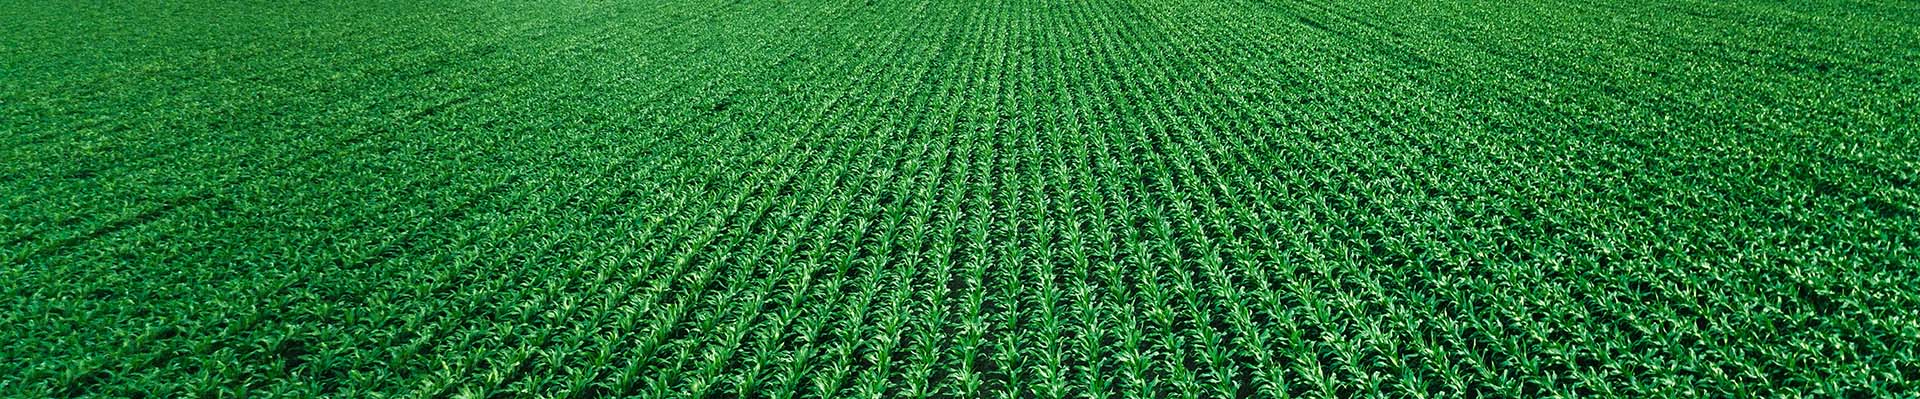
(960, 199)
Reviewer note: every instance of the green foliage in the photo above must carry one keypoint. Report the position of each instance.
(971, 199)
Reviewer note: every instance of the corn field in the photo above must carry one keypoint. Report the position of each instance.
(960, 199)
